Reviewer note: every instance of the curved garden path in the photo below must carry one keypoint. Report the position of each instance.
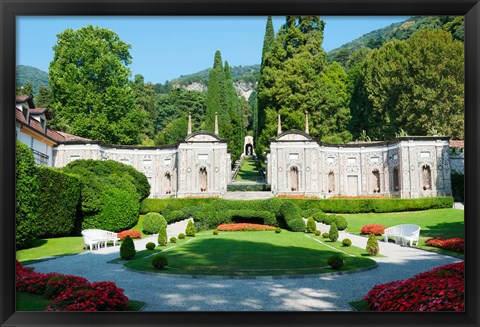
(308, 293)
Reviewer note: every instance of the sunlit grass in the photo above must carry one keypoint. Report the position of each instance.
(248, 172)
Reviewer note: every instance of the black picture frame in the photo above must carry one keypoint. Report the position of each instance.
(12, 8)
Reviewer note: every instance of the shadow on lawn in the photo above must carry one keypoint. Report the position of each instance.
(445, 230)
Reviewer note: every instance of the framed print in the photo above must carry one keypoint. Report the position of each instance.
(260, 141)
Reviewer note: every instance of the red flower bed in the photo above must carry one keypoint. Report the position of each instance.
(373, 229)
(452, 244)
(132, 233)
(71, 293)
(244, 227)
(359, 197)
(440, 289)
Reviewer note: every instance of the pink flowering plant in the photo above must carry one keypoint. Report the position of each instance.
(440, 289)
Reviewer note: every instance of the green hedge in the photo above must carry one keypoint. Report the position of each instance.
(268, 218)
(374, 205)
(291, 215)
(248, 187)
(119, 212)
(26, 187)
(58, 203)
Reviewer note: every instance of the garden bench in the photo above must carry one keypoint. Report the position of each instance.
(403, 233)
(97, 237)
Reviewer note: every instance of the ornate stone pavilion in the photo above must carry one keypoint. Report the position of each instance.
(407, 167)
(198, 166)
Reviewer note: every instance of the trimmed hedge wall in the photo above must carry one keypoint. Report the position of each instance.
(248, 187)
(26, 204)
(58, 203)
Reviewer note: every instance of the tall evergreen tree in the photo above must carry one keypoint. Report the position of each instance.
(44, 97)
(216, 96)
(260, 114)
(236, 115)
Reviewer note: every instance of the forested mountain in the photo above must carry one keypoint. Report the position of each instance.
(247, 74)
(399, 31)
(34, 76)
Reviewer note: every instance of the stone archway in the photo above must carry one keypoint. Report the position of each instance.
(248, 149)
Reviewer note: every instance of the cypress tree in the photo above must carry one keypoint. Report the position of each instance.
(235, 141)
(216, 96)
(333, 233)
(372, 245)
(311, 226)
(190, 230)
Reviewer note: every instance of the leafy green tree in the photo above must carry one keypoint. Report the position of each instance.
(145, 104)
(253, 121)
(26, 89)
(415, 86)
(92, 96)
(235, 111)
(44, 97)
(296, 78)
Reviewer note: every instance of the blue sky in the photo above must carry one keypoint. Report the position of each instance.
(164, 48)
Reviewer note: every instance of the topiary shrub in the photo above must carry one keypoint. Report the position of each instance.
(329, 219)
(181, 236)
(215, 232)
(173, 239)
(325, 235)
(150, 246)
(127, 248)
(159, 262)
(311, 226)
(162, 236)
(317, 232)
(26, 204)
(174, 216)
(152, 222)
(372, 245)
(278, 230)
(291, 215)
(319, 216)
(346, 242)
(190, 230)
(335, 261)
(333, 233)
(341, 222)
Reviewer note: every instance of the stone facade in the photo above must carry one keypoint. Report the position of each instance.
(407, 167)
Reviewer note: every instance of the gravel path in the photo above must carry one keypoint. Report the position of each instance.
(308, 293)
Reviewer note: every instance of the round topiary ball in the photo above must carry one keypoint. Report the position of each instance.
(181, 236)
(346, 242)
(152, 222)
(325, 235)
(159, 262)
(278, 230)
(173, 240)
(335, 261)
(215, 232)
(150, 246)
(317, 233)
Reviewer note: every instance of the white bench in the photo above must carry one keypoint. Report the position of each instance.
(404, 233)
(97, 237)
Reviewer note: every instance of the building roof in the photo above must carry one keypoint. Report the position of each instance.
(70, 137)
(457, 144)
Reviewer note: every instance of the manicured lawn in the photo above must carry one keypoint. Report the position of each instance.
(360, 305)
(251, 254)
(51, 247)
(248, 172)
(33, 302)
(443, 223)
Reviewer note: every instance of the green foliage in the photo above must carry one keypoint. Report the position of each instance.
(162, 235)
(325, 235)
(44, 97)
(159, 261)
(181, 236)
(92, 96)
(416, 85)
(372, 245)
(175, 215)
(119, 212)
(333, 232)
(127, 248)
(458, 186)
(58, 203)
(150, 246)
(173, 239)
(190, 230)
(311, 226)
(335, 261)
(278, 230)
(248, 187)
(341, 222)
(346, 242)
(145, 103)
(27, 190)
(329, 219)
(215, 232)
(319, 216)
(317, 232)
(290, 214)
(152, 222)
